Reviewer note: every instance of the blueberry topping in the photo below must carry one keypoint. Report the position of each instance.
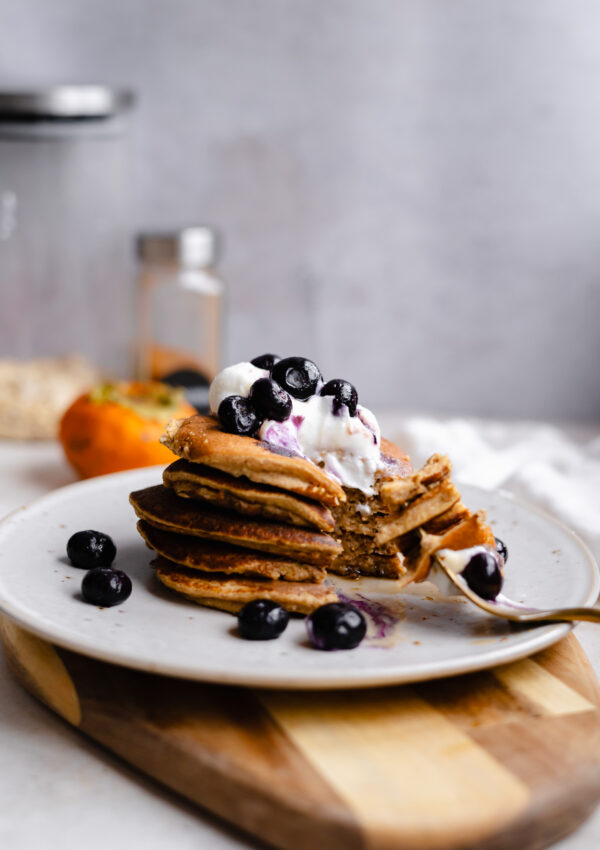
(265, 361)
(89, 549)
(297, 375)
(269, 400)
(501, 549)
(262, 619)
(105, 587)
(337, 625)
(343, 393)
(483, 574)
(238, 416)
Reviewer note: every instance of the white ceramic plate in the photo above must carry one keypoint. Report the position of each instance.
(415, 635)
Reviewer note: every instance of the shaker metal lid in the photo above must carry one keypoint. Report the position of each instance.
(64, 102)
(192, 247)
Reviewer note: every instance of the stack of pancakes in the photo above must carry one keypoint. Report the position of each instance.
(237, 519)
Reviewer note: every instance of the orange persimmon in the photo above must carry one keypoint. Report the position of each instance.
(117, 426)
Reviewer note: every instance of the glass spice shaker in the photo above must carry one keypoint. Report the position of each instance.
(180, 309)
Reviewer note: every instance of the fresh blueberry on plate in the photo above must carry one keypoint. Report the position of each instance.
(89, 549)
(270, 400)
(343, 394)
(238, 416)
(337, 625)
(502, 549)
(262, 619)
(298, 376)
(483, 574)
(265, 361)
(105, 587)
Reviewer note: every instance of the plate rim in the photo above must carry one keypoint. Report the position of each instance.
(382, 677)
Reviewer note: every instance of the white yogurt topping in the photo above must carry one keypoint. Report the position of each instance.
(347, 446)
(234, 380)
(438, 577)
(456, 560)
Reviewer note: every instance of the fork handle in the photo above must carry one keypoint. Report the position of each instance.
(563, 614)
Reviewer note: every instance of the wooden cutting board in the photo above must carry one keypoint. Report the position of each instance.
(507, 758)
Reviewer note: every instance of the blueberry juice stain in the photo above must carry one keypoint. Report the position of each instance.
(383, 619)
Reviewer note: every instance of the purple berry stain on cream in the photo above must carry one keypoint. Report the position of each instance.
(282, 434)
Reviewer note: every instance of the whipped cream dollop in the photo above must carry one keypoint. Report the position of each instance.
(234, 380)
(347, 447)
(456, 560)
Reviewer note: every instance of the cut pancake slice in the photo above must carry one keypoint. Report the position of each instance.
(361, 555)
(360, 543)
(231, 594)
(239, 494)
(353, 565)
(402, 490)
(197, 553)
(459, 528)
(414, 500)
(359, 518)
(426, 514)
(417, 512)
(163, 509)
(201, 440)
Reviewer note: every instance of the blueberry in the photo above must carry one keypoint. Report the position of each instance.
(238, 416)
(483, 574)
(343, 393)
(336, 625)
(265, 361)
(269, 400)
(262, 619)
(299, 376)
(105, 587)
(89, 549)
(501, 549)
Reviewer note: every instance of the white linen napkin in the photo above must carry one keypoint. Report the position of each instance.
(539, 462)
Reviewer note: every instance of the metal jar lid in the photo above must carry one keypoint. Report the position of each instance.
(66, 103)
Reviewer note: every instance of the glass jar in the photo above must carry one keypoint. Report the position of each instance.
(66, 283)
(180, 311)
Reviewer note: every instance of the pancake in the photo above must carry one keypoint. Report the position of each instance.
(397, 463)
(201, 440)
(418, 512)
(163, 509)
(458, 528)
(416, 499)
(239, 494)
(355, 564)
(231, 594)
(405, 488)
(197, 553)
(440, 524)
(360, 517)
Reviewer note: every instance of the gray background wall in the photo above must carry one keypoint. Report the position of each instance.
(409, 190)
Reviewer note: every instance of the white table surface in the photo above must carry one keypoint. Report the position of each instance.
(60, 790)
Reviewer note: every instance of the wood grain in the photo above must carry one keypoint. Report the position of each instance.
(402, 766)
(508, 758)
(40, 669)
